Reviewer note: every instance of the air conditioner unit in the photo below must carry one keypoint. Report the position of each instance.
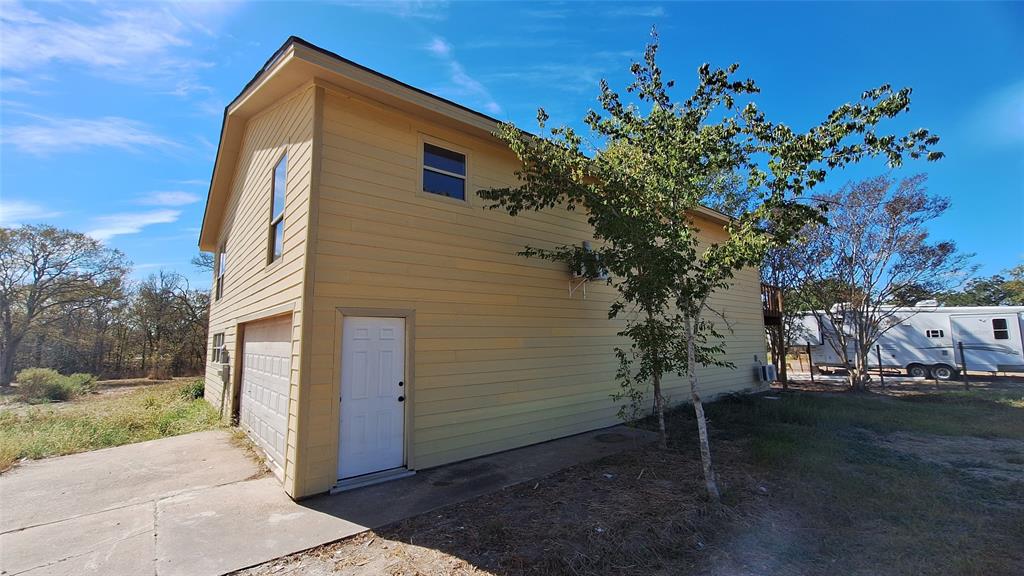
(580, 274)
(766, 373)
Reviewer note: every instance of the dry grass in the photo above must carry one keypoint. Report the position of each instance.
(112, 417)
(812, 485)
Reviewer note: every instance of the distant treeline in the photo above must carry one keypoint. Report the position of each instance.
(66, 303)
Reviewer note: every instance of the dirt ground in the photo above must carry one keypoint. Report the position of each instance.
(814, 482)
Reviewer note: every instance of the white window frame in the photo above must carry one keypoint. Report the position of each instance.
(423, 141)
(220, 265)
(277, 220)
(217, 350)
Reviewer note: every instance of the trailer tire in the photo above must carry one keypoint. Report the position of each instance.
(942, 372)
(917, 371)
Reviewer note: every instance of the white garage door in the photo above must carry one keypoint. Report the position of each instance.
(266, 378)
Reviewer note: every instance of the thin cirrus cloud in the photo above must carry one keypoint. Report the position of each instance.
(142, 45)
(170, 198)
(409, 9)
(998, 120)
(49, 134)
(107, 227)
(462, 85)
(17, 212)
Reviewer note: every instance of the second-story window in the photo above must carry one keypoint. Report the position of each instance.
(934, 333)
(220, 265)
(444, 172)
(278, 188)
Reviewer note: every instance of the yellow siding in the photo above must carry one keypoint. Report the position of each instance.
(504, 357)
(252, 288)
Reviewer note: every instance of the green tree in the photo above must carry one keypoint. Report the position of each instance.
(45, 270)
(643, 177)
(1005, 289)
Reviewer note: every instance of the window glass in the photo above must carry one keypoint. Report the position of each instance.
(280, 185)
(218, 345)
(222, 266)
(278, 188)
(443, 184)
(441, 159)
(278, 238)
(1000, 329)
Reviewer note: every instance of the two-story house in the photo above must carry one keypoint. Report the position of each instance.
(369, 317)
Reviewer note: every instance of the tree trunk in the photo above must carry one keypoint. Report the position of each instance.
(659, 411)
(7, 365)
(710, 482)
(858, 374)
(778, 346)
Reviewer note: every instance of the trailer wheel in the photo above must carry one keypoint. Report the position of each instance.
(917, 371)
(942, 372)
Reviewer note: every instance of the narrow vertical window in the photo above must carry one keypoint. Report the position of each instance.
(278, 188)
(221, 265)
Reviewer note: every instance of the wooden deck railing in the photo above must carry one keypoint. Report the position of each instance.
(771, 303)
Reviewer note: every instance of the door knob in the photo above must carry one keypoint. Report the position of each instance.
(401, 398)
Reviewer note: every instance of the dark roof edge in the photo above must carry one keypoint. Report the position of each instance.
(307, 44)
(326, 52)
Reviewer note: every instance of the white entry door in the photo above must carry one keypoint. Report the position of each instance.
(266, 377)
(372, 396)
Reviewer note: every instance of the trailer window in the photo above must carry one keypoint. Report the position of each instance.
(1000, 329)
(934, 333)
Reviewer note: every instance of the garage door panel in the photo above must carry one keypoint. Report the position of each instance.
(266, 381)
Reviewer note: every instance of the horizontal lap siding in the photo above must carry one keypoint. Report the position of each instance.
(503, 355)
(251, 287)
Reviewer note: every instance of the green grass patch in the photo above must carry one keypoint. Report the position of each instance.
(101, 421)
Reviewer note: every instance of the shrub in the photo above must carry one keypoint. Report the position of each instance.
(194, 390)
(42, 384)
(47, 385)
(83, 382)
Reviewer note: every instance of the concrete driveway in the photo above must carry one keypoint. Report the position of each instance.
(197, 504)
(137, 509)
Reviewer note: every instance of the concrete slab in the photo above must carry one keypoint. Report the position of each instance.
(59, 488)
(231, 527)
(118, 541)
(190, 505)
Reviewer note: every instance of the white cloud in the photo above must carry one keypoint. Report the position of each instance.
(170, 198)
(999, 119)
(411, 9)
(633, 10)
(192, 182)
(439, 47)
(462, 84)
(128, 43)
(106, 227)
(50, 134)
(10, 84)
(16, 212)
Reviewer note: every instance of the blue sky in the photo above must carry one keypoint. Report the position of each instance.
(111, 112)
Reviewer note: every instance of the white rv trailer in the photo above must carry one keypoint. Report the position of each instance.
(924, 340)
